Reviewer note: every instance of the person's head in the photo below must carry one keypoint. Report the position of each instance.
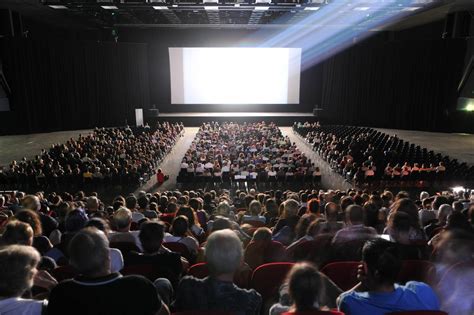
(131, 202)
(317, 227)
(151, 236)
(93, 204)
(399, 227)
(143, 202)
(424, 195)
(290, 208)
(223, 209)
(75, 220)
(122, 219)
(32, 218)
(100, 224)
(443, 212)
(31, 202)
(305, 286)
(180, 226)
(221, 223)
(303, 224)
(255, 207)
(313, 206)
(223, 252)
(457, 206)
(354, 215)
(18, 264)
(189, 213)
(381, 261)
(346, 202)
(17, 232)
(271, 206)
(409, 207)
(262, 234)
(89, 252)
(331, 209)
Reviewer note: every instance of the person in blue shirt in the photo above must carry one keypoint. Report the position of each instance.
(377, 293)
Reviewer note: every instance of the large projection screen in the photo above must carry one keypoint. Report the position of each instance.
(235, 75)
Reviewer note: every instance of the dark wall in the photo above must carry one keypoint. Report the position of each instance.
(65, 85)
(405, 79)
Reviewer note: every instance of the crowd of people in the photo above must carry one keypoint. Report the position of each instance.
(74, 254)
(364, 154)
(225, 152)
(109, 156)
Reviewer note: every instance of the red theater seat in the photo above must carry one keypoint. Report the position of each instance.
(180, 248)
(267, 278)
(262, 252)
(344, 273)
(417, 270)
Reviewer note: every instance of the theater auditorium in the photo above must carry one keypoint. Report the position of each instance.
(237, 157)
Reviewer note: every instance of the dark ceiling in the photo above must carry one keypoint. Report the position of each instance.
(370, 14)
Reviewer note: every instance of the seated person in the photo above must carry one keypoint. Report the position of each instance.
(151, 237)
(122, 221)
(181, 234)
(21, 262)
(377, 293)
(106, 292)
(224, 255)
(255, 208)
(306, 290)
(355, 228)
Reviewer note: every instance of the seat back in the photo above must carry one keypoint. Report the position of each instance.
(417, 270)
(181, 249)
(343, 273)
(262, 252)
(255, 223)
(317, 251)
(267, 278)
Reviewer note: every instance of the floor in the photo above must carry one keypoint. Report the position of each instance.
(457, 145)
(19, 146)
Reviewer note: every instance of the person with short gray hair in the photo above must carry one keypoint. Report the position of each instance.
(106, 292)
(224, 255)
(122, 221)
(18, 264)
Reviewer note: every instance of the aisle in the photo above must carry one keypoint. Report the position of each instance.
(329, 179)
(171, 164)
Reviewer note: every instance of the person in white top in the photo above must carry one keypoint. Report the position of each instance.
(18, 264)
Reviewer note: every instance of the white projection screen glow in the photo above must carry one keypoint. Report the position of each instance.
(235, 75)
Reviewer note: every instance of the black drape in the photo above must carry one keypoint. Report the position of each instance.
(67, 85)
(396, 84)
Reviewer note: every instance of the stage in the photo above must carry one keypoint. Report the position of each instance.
(195, 119)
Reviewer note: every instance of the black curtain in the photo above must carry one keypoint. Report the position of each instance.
(393, 84)
(67, 85)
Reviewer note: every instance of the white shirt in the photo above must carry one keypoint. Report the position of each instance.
(19, 306)
(116, 260)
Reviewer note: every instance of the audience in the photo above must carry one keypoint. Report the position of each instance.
(106, 155)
